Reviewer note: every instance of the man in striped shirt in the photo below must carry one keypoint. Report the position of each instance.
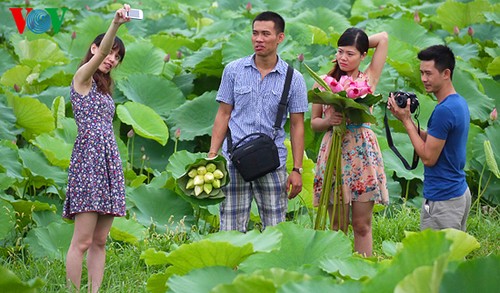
(248, 96)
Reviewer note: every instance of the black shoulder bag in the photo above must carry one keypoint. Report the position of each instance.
(259, 156)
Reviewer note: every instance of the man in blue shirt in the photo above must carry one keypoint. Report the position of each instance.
(442, 147)
(248, 97)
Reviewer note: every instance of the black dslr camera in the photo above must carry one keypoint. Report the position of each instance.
(400, 97)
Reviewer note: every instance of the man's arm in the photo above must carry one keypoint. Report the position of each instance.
(220, 128)
(428, 148)
(297, 142)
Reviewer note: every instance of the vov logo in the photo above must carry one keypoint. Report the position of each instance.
(38, 20)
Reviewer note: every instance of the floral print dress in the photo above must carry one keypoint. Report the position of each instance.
(95, 176)
(363, 176)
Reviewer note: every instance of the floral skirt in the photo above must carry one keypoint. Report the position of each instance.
(363, 176)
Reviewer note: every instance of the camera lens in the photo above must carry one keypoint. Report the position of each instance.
(400, 100)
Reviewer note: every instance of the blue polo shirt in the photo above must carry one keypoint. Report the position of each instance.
(255, 100)
(449, 121)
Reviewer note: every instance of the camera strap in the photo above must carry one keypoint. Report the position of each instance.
(279, 115)
(395, 150)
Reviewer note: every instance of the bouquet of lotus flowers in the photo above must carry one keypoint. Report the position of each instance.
(352, 98)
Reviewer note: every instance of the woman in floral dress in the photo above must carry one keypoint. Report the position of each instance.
(96, 187)
(363, 177)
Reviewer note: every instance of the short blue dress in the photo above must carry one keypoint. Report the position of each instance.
(95, 175)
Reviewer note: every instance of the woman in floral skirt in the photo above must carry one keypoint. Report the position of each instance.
(96, 186)
(363, 177)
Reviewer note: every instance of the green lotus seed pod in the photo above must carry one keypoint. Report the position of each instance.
(211, 167)
(216, 183)
(198, 189)
(207, 187)
(190, 184)
(202, 170)
(192, 173)
(218, 174)
(198, 180)
(208, 177)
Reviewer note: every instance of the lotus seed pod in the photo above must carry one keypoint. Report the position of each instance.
(208, 177)
(190, 184)
(218, 174)
(211, 167)
(198, 180)
(216, 183)
(192, 173)
(207, 187)
(198, 189)
(202, 170)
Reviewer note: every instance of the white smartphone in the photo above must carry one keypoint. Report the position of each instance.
(135, 14)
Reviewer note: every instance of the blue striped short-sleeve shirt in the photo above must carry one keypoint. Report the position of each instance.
(255, 100)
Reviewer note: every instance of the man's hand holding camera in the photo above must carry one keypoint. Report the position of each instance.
(402, 113)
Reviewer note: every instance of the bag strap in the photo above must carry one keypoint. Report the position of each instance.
(281, 109)
(395, 150)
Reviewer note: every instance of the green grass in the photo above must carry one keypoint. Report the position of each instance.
(126, 272)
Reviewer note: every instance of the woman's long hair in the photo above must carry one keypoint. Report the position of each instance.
(351, 37)
(103, 80)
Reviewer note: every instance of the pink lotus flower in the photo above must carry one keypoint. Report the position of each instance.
(494, 114)
(334, 85)
(470, 31)
(416, 16)
(353, 88)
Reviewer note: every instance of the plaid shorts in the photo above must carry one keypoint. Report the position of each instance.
(268, 191)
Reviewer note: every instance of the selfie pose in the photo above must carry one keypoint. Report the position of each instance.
(248, 97)
(96, 186)
(362, 173)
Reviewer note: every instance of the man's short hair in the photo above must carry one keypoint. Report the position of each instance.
(279, 22)
(442, 56)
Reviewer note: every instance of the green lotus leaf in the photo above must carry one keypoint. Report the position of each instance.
(469, 276)
(350, 268)
(206, 253)
(452, 14)
(411, 257)
(195, 118)
(201, 280)
(16, 75)
(10, 282)
(25, 209)
(158, 93)
(43, 52)
(7, 218)
(145, 121)
(7, 123)
(35, 117)
(207, 61)
(494, 67)
(10, 164)
(127, 230)
(297, 254)
(153, 257)
(51, 241)
(6, 61)
(39, 167)
(266, 241)
(322, 285)
(55, 149)
(161, 208)
(141, 57)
